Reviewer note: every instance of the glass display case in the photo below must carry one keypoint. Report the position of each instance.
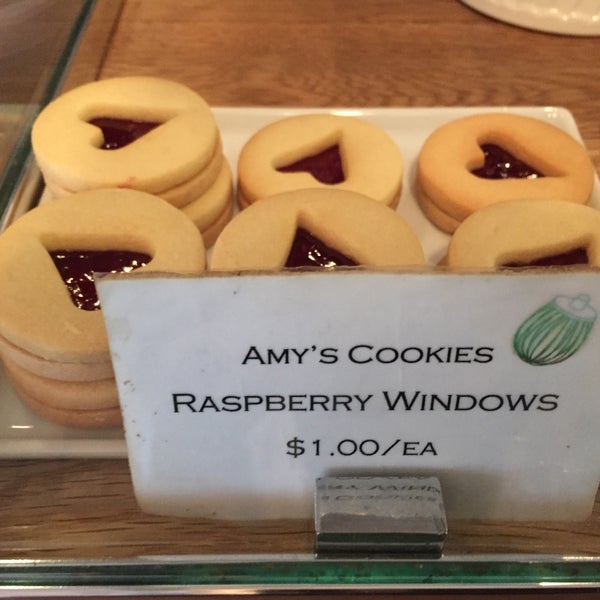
(70, 524)
(38, 39)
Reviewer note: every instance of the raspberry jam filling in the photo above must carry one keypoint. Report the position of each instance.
(500, 164)
(577, 256)
(325, 167)
(121, 132)
(309, 251)
(77, 267)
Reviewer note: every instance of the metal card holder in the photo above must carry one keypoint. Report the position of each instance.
(399, 516)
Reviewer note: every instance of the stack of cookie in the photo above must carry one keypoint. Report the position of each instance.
(52, 338)
(141, 133)
(320, 151)
(473, 162)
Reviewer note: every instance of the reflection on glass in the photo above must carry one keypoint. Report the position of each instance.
(37, 39)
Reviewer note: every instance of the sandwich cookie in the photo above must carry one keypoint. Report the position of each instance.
(476, 161)
(527, 233)
(52, 336)
(142, 133)
(320, 150)
(316, 228)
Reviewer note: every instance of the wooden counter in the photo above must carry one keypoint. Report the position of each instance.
(380, 53)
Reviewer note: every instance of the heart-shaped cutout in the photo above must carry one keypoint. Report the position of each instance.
(501, 164)
(121, 132)
(325, 166)
(77, 267)
(309, 251)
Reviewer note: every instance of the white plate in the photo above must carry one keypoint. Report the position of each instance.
(568, 17)
(24, 435)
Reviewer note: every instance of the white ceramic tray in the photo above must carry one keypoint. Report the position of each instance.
(24, 435)
(565, 17)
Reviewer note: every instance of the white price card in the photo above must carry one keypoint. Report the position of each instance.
(238, 392)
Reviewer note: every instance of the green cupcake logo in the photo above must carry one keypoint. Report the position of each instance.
(555, 331)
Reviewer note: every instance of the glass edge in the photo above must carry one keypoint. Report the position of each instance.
(253, 575)
(19, 156)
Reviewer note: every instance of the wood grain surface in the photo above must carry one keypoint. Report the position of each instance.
(356, 53)
(379, 53)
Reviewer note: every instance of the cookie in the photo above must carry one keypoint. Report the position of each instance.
(182, 194)
(70, 150)
(142, 133)
(52, 337)
(101, 418)
(53, 369)
(476, 161)
(316, 228)
(192, 189)
(63, 395)
(213, 210)
(320, 150)
(523, 233)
